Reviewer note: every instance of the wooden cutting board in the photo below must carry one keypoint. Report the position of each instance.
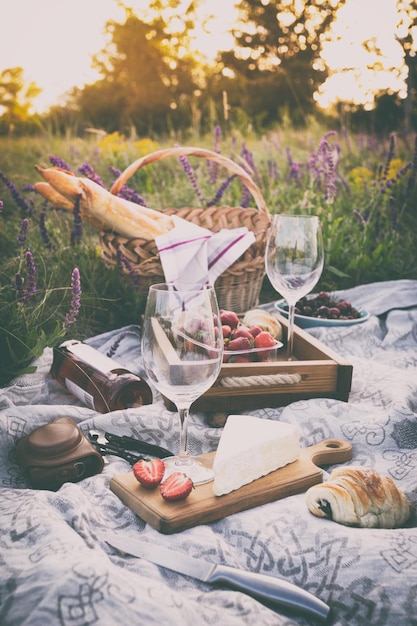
(202, 506)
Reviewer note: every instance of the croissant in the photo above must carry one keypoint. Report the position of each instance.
(100, 207)
(357, 496)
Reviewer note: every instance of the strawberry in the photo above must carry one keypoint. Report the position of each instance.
(177, 486)
(149, 473)
(255, 330)
(264, 340)
(229, 318)
(226, 331)
(240, 343)
(242, 331)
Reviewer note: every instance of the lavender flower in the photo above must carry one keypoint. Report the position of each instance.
(22, 236)
(77, 231)
(123, 262)
(125, 192)
(25, 207)
(31, 286)
(18, 285)
(115, 345)
(322, 168)
(189, 171)
(72, 314)
(88, 171)
(58, 162)
(220, 191)
(44, 232)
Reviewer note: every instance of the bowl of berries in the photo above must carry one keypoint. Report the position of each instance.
(323, 309)
(248, 342)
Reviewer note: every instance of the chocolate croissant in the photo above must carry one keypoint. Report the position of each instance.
(357, 496)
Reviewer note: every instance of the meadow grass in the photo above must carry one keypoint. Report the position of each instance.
(362, 188)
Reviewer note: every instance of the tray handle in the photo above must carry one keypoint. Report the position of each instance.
(330, 451)
(198, 152)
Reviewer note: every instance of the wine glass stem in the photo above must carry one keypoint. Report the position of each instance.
(183, 454)
(290, 331)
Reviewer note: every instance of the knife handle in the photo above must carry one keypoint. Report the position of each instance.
(271, 590)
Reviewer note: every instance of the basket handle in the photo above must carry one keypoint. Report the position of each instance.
(190, 151)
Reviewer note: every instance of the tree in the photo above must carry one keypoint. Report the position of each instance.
(407, 25)
(150, 78)
(276, 59)
(16, 97)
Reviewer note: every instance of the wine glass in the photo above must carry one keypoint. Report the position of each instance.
(182, 350)
(294, 260)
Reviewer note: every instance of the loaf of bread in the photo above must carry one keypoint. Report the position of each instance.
(357, 496)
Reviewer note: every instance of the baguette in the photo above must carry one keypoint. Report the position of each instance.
(101, 208)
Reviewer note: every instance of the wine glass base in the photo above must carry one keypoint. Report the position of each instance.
(198, 469)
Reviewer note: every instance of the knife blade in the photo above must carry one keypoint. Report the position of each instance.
(264, 588)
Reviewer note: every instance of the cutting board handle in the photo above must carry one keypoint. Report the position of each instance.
(330, 451)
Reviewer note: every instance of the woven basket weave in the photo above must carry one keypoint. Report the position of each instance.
(238, 288)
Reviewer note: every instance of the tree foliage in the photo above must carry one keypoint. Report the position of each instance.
(277, 59)
(149, 77)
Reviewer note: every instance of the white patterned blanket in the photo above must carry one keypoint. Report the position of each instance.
(54, 569)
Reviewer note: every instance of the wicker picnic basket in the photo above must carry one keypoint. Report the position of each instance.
(238, 288)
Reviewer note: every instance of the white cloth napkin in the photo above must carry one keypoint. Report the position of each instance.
(192, 254)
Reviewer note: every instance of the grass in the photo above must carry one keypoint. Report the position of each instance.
(363, 189)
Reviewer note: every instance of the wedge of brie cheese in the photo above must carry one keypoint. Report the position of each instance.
(251, 447)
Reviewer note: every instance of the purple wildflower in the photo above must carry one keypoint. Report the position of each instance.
(76, 292)
(44, 232)
(294, 171)
(58, 162)
(115, 345)
(189, 171)
(88, 171)
(322, 167)
(24, 206)
(248, 157)
(22, 236)
(18, 285)
(31, 286)
(220, 191)
(1, 206)
(77, 231)
(122, 264)
(125, 192)
(411, 183)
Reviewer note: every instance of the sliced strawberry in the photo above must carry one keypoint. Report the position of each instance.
(149, 473)
(177, 486)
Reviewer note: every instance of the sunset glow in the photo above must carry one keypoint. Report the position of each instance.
(54, 42)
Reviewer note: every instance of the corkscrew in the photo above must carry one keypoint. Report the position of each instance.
(125, 447)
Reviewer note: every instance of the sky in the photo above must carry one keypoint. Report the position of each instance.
(54, 41)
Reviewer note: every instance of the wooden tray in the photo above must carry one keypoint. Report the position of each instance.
(202, 506)
(321, 374)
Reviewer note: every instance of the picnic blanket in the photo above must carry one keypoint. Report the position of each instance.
(56, 569)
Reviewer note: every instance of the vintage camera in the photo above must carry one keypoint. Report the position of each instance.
(57, 453)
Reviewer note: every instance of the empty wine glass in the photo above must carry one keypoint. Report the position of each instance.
(182, 350)
(294, 260)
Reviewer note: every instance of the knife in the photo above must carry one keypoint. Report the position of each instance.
(264, 588)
